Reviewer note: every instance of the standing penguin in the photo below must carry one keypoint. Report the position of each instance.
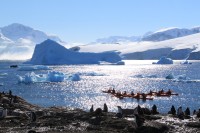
(180, 113)
(33, 116)
(92, 109)
(105, 108)
(173, 110)
(187, 111)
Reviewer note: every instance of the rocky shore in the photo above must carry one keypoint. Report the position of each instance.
(19, 116)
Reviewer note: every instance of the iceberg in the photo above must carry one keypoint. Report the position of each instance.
(170, 76)
(55, 76)
(164, 60)
(33, 68)
(49, 77)
(74, 77)
(51, 53)
(186, 62)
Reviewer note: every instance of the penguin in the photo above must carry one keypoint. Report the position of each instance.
(91, 109)
(187, 111)
(105, 108)
(33, 116)
(173, 110)
(180, 113)
(154, 109)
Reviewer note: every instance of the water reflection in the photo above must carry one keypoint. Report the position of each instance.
(88, 90)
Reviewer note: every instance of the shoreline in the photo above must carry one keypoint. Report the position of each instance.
(23, 117)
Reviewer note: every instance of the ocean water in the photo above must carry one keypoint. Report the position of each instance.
(88, 90)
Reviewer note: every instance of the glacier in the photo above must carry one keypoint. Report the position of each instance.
(50, 52)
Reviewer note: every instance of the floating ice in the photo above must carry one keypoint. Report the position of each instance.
(91, 74)
(32, 68)
(55, 76)
(170, 76)
(178, 77)
(164, 60)
(49, 77)
(74, 77)
(3, 74)
(186, 62)
(145, 76)
(181, 78)
(108, 63)
(31, 78)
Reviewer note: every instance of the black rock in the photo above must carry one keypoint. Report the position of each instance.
(193, 124)
(153, 127)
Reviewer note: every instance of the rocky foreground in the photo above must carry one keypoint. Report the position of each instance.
(19, 116)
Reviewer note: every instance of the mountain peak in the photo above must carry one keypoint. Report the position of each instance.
(17, 31)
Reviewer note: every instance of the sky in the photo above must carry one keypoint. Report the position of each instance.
(85, 21)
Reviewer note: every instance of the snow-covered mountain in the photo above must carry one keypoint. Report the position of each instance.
(118, 39)
(17, 31)
(17, 41)
(160, 35)
(170, 33)
(178, 48)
